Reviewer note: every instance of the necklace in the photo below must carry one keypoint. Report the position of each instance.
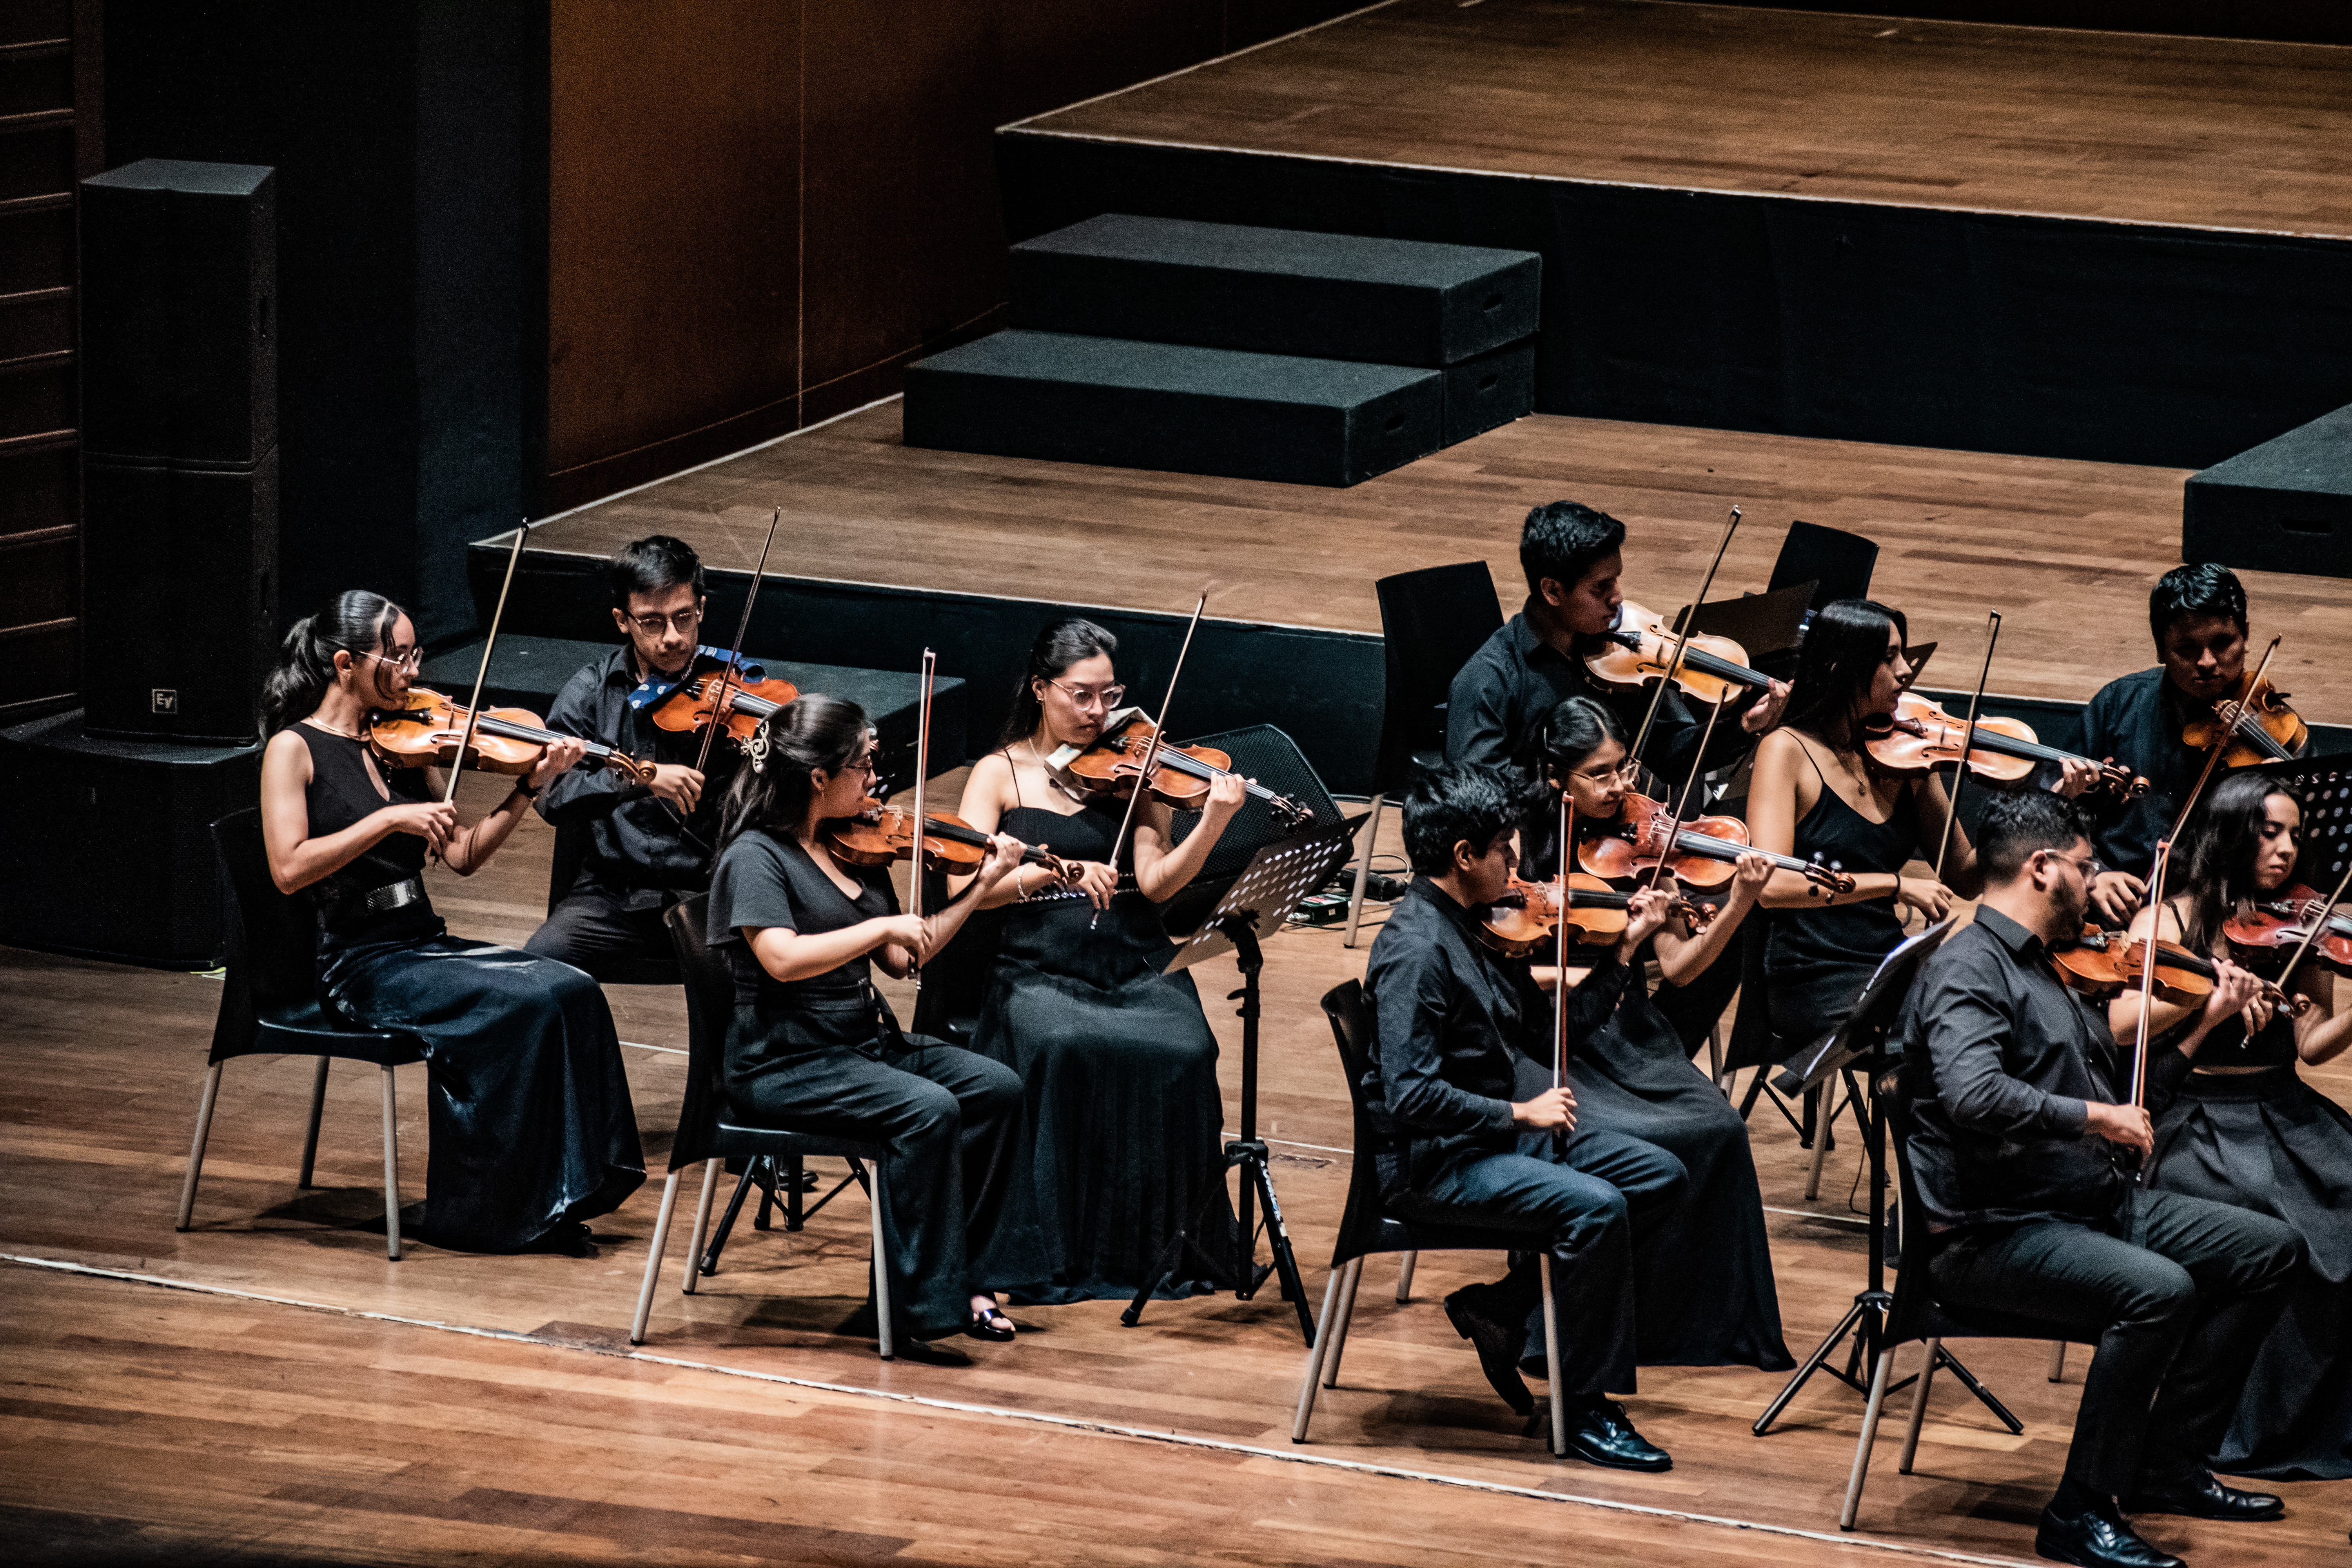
(317, 723)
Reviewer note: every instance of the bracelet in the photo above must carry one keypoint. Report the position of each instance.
(524, 789)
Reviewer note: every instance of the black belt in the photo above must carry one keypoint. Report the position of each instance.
(343, 908)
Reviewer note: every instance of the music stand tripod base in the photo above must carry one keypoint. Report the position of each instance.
(1277, 877)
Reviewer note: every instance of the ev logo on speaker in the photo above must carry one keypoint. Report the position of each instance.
(161, 700)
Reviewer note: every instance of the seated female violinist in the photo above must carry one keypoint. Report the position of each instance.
(1120, 1065)
(814, 1047)
(1703, 1272)
(2237, 1124)
(532, 1130)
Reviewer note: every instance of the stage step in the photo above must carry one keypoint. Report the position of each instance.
(1075, 398)
(2284, 506)
(1275, 290)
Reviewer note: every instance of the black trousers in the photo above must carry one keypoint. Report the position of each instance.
(2187, 1295)
(955, 1224)
(1592, 1196)
(589, 929)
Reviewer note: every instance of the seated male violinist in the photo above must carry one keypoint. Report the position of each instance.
(2198, 615)
(648, 845)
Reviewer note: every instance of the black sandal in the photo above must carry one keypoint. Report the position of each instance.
(991, 1325)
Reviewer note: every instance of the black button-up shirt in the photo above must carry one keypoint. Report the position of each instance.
(1453, 1017)
(637, 851)
(2009, 1060)
(1499, 702)
(2137, 721)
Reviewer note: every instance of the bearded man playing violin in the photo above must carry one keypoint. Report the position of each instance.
(648, 845)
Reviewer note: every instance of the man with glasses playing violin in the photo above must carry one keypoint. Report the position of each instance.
(646, 846)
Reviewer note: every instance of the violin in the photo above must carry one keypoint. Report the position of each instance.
(1920, 737)
(2285, 921)
(1526, 918)
(1638, 649)
(697, 700)
(1180, 775)
(426, 731)
(881, 833)
(2261, 728)
(1702, 853)
(2183, 978)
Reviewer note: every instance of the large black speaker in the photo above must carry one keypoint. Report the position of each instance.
(115, 861)
(180, 614)
(179, 283)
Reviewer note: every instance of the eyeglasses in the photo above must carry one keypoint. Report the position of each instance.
(1626, 772)
(2088, 865)
(412, 661)
(1090, 696)
(653, 625)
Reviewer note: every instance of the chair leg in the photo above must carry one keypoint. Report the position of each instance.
(1869, 1433)
(1326, 1330)
(2057, 1350)
(311, 1133)
(1919, 1406)
(1551, 1363)
(204, 1102)
(1363, 870)
(654, 1259)
(1828, 1102)
(711, 1169)
(391, 1171)
(882, 1343)
(1404, 1277)
(1346, 1316)
(1714, 1057)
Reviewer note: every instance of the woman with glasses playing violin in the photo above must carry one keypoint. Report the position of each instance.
(532, 1132)
(642, 847)
(1703, 1273)
(1119, 1064)
(2235, 1122)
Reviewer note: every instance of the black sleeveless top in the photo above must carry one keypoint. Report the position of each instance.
(341, 794)
(2228, 1046)
(1821, 944)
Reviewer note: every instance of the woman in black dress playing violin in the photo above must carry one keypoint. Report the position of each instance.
(532, 1132)
(1119, 1065)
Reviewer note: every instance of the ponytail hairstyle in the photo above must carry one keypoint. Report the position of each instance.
(2222, 837)
(772, 794)
(1841, 656)
(354, 621)
(1575, 730)
(1059, 645)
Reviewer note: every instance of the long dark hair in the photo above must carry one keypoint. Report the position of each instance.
(772, 794)
(354, 621)
(2219, 877)
(1843, 648)
(1574, 732)
(1058, 646)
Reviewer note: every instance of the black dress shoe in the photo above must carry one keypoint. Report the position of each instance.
(1600, 1433)
(927, 1353)
(2096, 1539)
(2203, 1497)
(993, 1326)
(1498, 1339)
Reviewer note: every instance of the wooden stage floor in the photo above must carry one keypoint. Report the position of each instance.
(2131, 128)
(297, 1398)
(2065, 550)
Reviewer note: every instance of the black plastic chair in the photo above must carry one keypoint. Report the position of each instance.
(570, 853)
(1917, 1315)
(1367, 1228)
(1836, 563)
(705, 1135)
(270, 1006)
(1431, 621)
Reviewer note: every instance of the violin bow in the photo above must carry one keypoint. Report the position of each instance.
(1968, 743)
(923, 767)
(1674, 822)
(474, 708)
(735, 658)
(1152, 751)
(1559, 948)
(1690, 624)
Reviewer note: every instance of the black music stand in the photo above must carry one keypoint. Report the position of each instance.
(2326, 785)
(1862, 1039)
(1277, 877)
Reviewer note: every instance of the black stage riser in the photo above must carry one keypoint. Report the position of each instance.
(2044, 336)
(1321, 686)
(2284, 506)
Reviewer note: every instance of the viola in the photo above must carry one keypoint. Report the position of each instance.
(1638, 649)
(1920, 737)
(698, 697)
(881, 833)
(2093, 964)
(427, 729)
(2259, 726)
(2285, 921)
(1180, 775)
(1701, 852)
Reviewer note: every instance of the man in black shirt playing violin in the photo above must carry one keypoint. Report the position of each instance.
(641, 847)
